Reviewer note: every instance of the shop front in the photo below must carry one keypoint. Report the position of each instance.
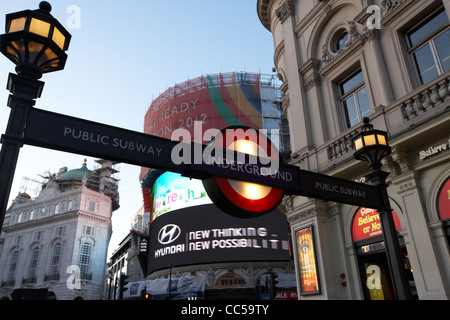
(372, 259)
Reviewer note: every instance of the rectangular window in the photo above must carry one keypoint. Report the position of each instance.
(55, 260)
(88, 230)
(85, 256)
(60, 231)
(13, 265)
(34, 262)
(354, 99)
(38, 235)
(91, 206)
(429, 46)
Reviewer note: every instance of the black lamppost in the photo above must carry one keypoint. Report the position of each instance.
(372, 146)
(36, 43)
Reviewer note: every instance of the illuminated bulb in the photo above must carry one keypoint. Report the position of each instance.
(245, 146)
(251, 191)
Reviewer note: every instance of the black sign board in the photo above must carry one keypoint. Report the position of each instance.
(328, 188)
(215, 237)
(61, 132)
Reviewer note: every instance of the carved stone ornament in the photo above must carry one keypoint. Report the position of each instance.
(308, 214)
(390, 5)
(311, 81)
(353, 36)
(286, 9)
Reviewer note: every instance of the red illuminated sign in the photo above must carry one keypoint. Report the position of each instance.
(244, 199)
(444, 201)
(366, 224)
(286, 295)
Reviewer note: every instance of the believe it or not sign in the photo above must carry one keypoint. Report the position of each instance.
(366, 224)
(444, 201)
(434, 150)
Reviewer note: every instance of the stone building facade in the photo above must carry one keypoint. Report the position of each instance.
(341, 61)
(59, 240)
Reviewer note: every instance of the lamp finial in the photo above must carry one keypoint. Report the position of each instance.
(366, 126)
(45, 6)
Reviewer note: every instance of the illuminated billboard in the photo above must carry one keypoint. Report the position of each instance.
(171, 191)
(218, 101)
(367, 224)
(186, 227)
(309, 276)
(205, 234)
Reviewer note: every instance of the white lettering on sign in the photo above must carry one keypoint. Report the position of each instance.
(433, 150)
(249, 168)
(225, 238)
(339, 189)
(114, 142)
(173, 117)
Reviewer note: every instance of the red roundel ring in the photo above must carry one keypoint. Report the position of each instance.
(263, 204)
(244, 199)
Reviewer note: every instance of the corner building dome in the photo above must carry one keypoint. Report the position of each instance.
(80, 173)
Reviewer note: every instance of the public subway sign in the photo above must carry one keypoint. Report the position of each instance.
(65, 133)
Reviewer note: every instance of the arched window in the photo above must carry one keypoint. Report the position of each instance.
(85, 256)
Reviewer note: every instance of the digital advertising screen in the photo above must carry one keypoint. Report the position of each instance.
(171, 191)
(204, 234)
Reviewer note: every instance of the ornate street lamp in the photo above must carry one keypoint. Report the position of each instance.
(372, 146)
(36, 43)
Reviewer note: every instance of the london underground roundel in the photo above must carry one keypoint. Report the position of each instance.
(238, 198)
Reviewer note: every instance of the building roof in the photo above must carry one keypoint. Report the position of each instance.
(80, 173)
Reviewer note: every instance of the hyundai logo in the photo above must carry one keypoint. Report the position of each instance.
(169, 233)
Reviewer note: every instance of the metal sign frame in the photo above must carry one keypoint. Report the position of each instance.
(70, 134)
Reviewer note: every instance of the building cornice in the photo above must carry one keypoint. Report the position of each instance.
(53, 219)
(41, 221)
(262, 7)
(92, 216)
